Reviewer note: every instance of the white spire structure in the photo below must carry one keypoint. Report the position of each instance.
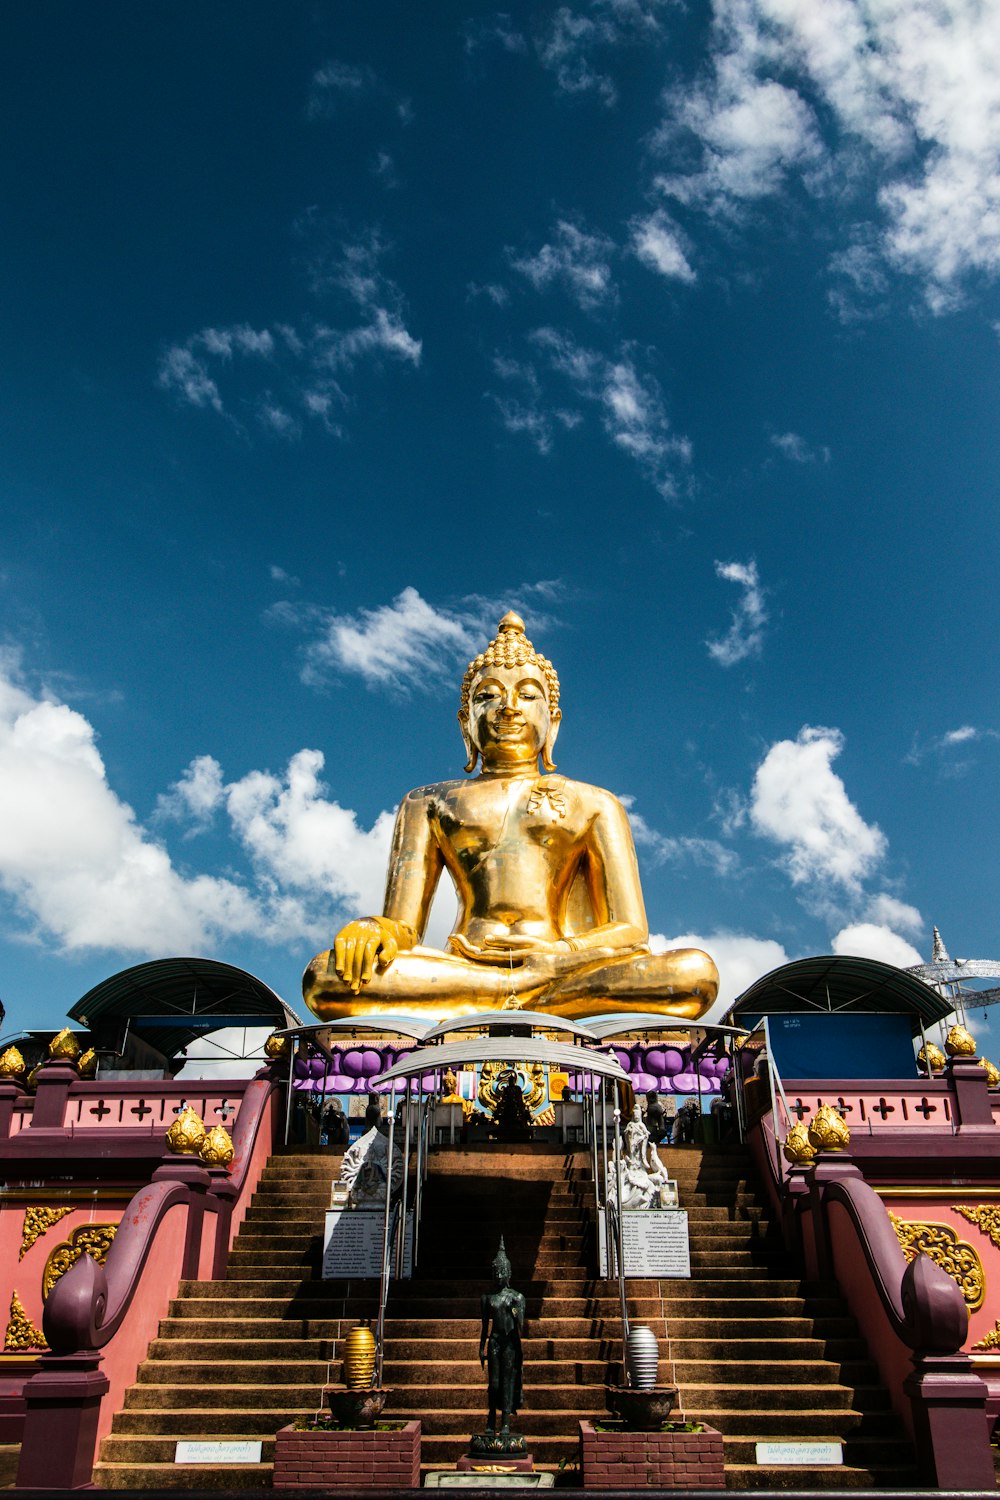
(947, 975)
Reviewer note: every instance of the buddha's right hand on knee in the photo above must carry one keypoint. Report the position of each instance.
(368, 945)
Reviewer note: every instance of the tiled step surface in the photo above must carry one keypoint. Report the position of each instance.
(756, 1352)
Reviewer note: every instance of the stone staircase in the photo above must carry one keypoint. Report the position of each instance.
(755, 1353)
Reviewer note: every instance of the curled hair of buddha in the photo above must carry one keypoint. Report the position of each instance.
(510, 647)
(500, 1265)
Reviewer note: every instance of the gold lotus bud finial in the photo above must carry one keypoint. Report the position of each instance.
(992, 1073)
(88, 1063)
(64, 1047)
(276, 1047)
(828, 1130)
(931, 1056)
(187, 1133)
(31, 1082)
(960, 1043)
(216, 1149)
(510, 647)
(11, 1064)
(797, 1147)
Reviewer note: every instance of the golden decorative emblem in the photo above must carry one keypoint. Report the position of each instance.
(21, 1332)
(216, 1149)
(545, 791)
(992, 1073)
(960, 1043)
(933, 1056)
(277, 1047)
(64, 1047)
(187, 1133)
(88, 1063)
(359, 1357)
(991, 1340)
(11, 1064)
(828, 1130)
(985, 1216)
(36, 1222)
(798, 1148)
(494, 1072)
(953, 1255)
(94, 1240)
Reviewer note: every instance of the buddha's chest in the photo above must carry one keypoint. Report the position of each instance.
(509, 819)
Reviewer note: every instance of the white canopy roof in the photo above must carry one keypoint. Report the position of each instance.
(527, 1020)
(388, 1025)
(562, 1055)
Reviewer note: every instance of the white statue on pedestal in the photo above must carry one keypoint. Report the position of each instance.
(645, 1182)
(364, 1170)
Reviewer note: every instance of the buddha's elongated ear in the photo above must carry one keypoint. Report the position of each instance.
(550, 740)
(471, 752)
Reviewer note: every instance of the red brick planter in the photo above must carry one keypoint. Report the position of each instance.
(623, 1460)
(348, 1460)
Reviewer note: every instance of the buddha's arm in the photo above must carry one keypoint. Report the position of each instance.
(612, 873)
(415, 865)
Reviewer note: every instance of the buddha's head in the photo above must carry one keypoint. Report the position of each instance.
(509, 712)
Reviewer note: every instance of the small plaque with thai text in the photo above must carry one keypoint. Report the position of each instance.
(242, 1452)
(655, 1241)
(352, 1243)
(804, 1454)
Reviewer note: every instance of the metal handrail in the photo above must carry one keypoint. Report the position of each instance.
(616, 1223)
(392, 1227)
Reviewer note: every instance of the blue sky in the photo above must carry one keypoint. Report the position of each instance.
(331, 332)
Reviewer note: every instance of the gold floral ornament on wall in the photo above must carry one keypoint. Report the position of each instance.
(37, 1221)
(991, 1339)
(64, 1047)
(21, 1332)
(953, 1255)
(216, 1149)
(797, 1147)
(277, 1047)
(986, 1216)
(11, 1065)
(828, 1130)
(960, 1043)
(931, 1056)
(94, 1240)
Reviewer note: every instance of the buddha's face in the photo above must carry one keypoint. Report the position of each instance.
(509, 718)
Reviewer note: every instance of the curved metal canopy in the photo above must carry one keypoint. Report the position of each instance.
(170, 1002)
(835, 985)
(641, 1021)
(416, 1031)
(499, 1049)
(513, 1021)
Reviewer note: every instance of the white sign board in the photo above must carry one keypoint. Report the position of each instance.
(246, 1452)
(795, 1454)
(352, 1243)
(655, 1241)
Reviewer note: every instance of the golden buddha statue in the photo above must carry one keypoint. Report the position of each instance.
(550, 909)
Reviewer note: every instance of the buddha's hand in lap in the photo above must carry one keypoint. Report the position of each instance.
(365, 947)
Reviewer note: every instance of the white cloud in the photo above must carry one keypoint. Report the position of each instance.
(899, 100)
(578, 261)
(888, 911)
(663, 849)
(657, 242)
(795, 447)
(498, 31)
(745, 636)
(393, 644)
(740, 960)
(569, 46)
(798, 800)
(874, 940)
(196, 797)
(311, 361)
(633, 412)
(941, 747)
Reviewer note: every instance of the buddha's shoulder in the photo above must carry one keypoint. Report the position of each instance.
(437, 791)
(596, 797)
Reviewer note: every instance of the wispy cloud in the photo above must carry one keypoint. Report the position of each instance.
(950, 750)
(632, 409)
(795, 447)
(663, 849)
(745, 636)
(660, 245)
(410, 644)
(897, 104)
(575, 259)
(493, 31)
(305, 366)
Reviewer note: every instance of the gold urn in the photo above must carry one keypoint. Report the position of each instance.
(88, 1063)
(960, 1043)
(64, 1047)
(797, 1147)
(216, 1150)
(277, 1047)
(931, 1056)
(828, 1130)
(187, 1133)
(11, 1065)
(992, 1073)
(359, 1357)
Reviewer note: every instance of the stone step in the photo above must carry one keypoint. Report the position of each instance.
(239, 1478)
(697, 1398)
(262, 1346)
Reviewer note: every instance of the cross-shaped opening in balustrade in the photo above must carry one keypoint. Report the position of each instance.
(925, 1108)
(225, 1109)
(884, 1109)
(100, 1109)
(800, 1109)
(140, 1109)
